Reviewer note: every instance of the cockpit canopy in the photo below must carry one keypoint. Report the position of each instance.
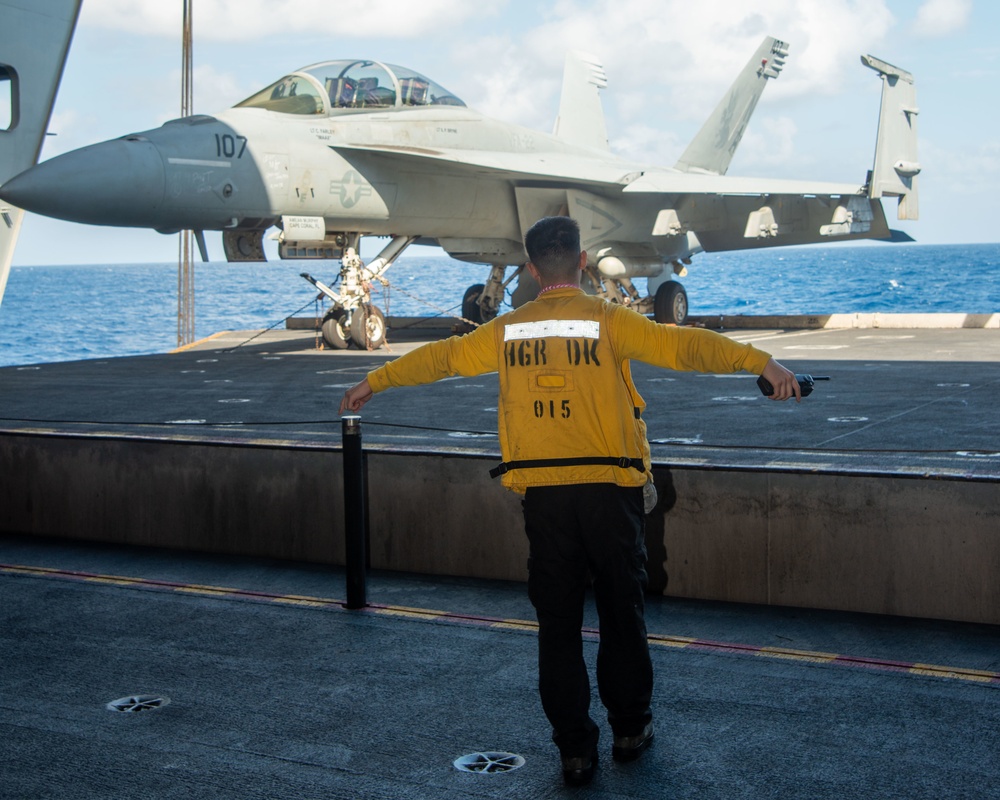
(338, 85)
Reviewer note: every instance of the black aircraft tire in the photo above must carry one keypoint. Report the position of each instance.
(470, 303)
(368, 328)
(670, 306)
(334, 330)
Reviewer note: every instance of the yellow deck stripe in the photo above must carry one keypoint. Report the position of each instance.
(661, 640)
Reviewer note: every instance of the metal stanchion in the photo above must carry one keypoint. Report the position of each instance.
(354, 512)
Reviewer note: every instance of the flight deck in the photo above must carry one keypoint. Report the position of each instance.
(899, 401)
(879, 491)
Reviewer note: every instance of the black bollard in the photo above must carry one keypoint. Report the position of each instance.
(354, 512)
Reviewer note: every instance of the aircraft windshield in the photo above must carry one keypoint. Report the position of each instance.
(351, 85)
(293, 94)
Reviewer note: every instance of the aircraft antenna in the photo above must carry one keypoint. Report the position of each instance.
(185, 268)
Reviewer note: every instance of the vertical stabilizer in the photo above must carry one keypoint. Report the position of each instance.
(713, 148)
(896, 166)
(581, 118)
(34, 41)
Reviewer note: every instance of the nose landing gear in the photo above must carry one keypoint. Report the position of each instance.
(353, 318)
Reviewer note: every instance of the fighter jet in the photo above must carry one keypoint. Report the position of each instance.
(345, 149)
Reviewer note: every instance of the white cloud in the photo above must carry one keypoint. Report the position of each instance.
(506, 83)
(769, 144)
(248, 20)
(670, 61)
(67, 132)
(214, 90)
(968, 168)
(696, 49)
(645, 143)
(941, 17)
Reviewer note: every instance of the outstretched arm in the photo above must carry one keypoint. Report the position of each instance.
(356, 397)
(783, 381)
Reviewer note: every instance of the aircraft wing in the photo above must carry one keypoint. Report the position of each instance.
(583, 169)
(733, 213)
(694, 183)
(724, 212)
(499, 164)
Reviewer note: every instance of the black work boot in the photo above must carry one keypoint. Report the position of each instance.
(629, 748)
(579, 770)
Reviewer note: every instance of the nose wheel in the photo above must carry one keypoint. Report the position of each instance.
(353, 319)
(336, 329)
(368, 327)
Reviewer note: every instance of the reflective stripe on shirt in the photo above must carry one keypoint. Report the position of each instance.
(563, 328)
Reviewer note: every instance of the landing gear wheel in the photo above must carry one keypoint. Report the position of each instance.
(670, 306)
(335, 327)
(368, 327)
(470, 303)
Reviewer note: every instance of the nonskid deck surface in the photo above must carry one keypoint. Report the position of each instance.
(910, 402)
(275, 690)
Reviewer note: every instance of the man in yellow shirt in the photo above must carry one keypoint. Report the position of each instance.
(573, 442)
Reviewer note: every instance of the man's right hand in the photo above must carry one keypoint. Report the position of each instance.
(783, 381)
(356, 397)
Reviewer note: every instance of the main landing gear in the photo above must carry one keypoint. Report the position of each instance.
(482, 301)
(668, 305)
(352, 318)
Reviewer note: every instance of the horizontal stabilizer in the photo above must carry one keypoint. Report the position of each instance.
(581, 117)
(898, 237)
(713, 148)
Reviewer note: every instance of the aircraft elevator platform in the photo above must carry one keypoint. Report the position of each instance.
(878, 493)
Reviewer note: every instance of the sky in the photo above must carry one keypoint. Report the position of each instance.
(668, 63)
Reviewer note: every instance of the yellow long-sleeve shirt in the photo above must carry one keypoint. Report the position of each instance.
(566, 389)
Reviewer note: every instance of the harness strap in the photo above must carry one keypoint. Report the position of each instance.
(602, 461)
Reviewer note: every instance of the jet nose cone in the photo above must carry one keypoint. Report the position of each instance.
(120, 183)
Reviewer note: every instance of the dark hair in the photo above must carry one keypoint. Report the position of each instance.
(553, 246)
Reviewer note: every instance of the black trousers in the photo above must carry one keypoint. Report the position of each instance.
(576, 531)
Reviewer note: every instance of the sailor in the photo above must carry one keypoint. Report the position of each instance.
(573, 442)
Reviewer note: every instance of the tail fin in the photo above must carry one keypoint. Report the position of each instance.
(581, 118)
(896, 166)
(713, 148)
(34, 41)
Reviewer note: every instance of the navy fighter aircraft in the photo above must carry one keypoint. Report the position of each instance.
(345, 149)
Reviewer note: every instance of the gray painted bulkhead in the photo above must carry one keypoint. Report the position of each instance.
(909, 546)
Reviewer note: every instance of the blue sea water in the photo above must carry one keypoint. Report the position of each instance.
(65, 313)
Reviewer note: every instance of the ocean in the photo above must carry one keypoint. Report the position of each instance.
(67, 313)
